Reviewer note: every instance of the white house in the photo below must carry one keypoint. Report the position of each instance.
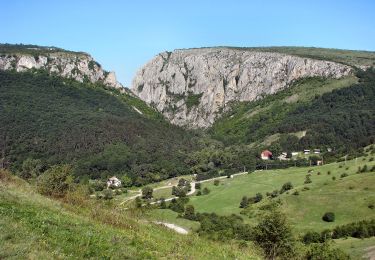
(113, 182)
(306, 151)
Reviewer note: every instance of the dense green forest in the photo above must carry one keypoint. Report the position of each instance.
(342, 119)
(58, 120)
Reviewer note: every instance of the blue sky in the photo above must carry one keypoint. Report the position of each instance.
(123, 35)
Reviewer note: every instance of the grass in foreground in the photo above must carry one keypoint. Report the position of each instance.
(33, 226)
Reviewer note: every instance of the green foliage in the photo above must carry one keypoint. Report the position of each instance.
(163, 204)
(244, 202)
(107, 194)
(329, 217)
(98, 129)
(55, 181)
(198, 185)
(206, 191)
(360, 229)
(193, 100)
(189, 212)
(216, 182)
(31, 168)
(147, 192)
(274, 235)
(307, 179)
(286, 186)
(325, 251)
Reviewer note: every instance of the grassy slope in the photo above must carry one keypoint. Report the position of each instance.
(33, 226)
(233, 126)
(348, 197)
(355, 247)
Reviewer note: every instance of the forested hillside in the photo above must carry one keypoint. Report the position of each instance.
(57, 120)
(329, 113)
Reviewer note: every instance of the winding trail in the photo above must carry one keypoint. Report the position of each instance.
(174, 227)
(191, 192)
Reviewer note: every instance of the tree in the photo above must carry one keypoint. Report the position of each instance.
(325, 251)
(307, 179)
(198, 185)
(163, 204)
(258, 197)
(216, 182)
(126, 181)
(107, 194)
(286, 186)
(274, 235)
(138, 202)
(244, 202)
(189, 212)
(147, 192)
(31, 168)
(329, 217)
(55, 181)
(205, 191)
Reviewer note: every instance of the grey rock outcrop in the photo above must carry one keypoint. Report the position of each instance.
(192, 87)
(77, 66)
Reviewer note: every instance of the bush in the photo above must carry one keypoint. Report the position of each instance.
(325, 251)
(371, 206)
(216, 182)
(286, 186)
(31, 168)
(244, 202)
(307, 179)
(274, 235)
(198, 185)
(107, 194)
(258, 197)
(138, 202)
(55, 181)
(205, 191)
(147, 192)
(199, 193)
(329, 173)
(329, 217)
(163, 204)
(311, 237)
(344, 175)
(296, 193)
(333, 178)
(189, 212)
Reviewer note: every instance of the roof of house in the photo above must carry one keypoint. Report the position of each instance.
(266, 153)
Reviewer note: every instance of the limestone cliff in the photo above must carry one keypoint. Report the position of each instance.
(75, 65)
(192, 87)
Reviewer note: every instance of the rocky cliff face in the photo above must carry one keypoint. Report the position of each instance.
(77, 66)
(192, 87)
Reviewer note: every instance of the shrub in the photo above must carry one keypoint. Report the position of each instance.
(329, 217)
(318, 173)
(198, 185)
(344, 175)
(31, 168)
(286, 186)
(147, 192)
(307, 180)
(325, 251)
(189, 212)
(138, 202)
(205, 191)
(305, 188)
(371, 206)
(97, 185)
(163, 204)
(55, 181)
(199, 193)
(216, 182)
(274, 235)
(311, 237)
(296, 193)
(258, 197)
(333, 178)
(244, 202)
(329, 173)
(107, 194)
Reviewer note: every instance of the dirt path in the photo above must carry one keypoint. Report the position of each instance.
(370, 253)
(174, 227)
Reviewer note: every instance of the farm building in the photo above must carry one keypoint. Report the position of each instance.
(113, 182)
(266, 155)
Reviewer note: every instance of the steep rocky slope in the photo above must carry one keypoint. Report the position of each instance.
(192, 87)
(76, 65)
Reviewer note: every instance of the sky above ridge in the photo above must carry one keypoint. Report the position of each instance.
(124, 35)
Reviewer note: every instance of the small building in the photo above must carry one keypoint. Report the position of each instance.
(317, 151)
(294, 153)
(306, 151)
(319, 162)
(329, 149)
(113, 182)
(266, 155)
